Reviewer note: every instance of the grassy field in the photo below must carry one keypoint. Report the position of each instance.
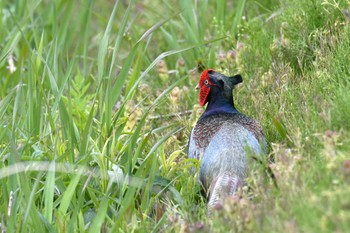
(97, 101)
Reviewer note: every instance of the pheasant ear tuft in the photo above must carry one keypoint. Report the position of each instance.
(236, 79)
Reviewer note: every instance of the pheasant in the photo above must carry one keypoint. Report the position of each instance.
(222, 138)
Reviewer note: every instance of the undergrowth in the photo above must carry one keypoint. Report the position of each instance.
(97, 102)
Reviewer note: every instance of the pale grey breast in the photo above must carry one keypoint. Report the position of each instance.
(221, 140)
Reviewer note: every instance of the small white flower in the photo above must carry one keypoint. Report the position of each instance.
(116, 174)
(11, 67)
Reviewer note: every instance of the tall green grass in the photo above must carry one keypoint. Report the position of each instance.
(95, 119)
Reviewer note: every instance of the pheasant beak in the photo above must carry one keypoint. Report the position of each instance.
(197, 86)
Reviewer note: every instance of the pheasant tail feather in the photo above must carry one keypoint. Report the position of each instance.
(225, 185)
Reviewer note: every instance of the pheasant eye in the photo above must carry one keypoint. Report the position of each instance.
(206, 82)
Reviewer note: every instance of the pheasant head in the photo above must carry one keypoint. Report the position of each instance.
(220, 83)
(216, 90)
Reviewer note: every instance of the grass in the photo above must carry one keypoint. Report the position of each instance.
(97, 102)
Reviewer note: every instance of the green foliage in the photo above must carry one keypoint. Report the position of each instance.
(97, 102)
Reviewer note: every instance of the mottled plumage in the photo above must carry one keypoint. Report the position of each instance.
(222, 138)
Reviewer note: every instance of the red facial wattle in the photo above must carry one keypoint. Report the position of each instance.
(203, 94)
(204, 85)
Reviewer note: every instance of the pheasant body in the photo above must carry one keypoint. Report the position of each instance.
(221, 139)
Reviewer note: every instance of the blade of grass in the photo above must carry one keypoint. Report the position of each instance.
(24, 187)
(49, 192)
(68, 194)
(102, 76)
(123, 73)
(220, 11)
(100, 216)
(238, 16)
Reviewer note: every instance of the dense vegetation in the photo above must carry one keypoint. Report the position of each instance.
(97, 101)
